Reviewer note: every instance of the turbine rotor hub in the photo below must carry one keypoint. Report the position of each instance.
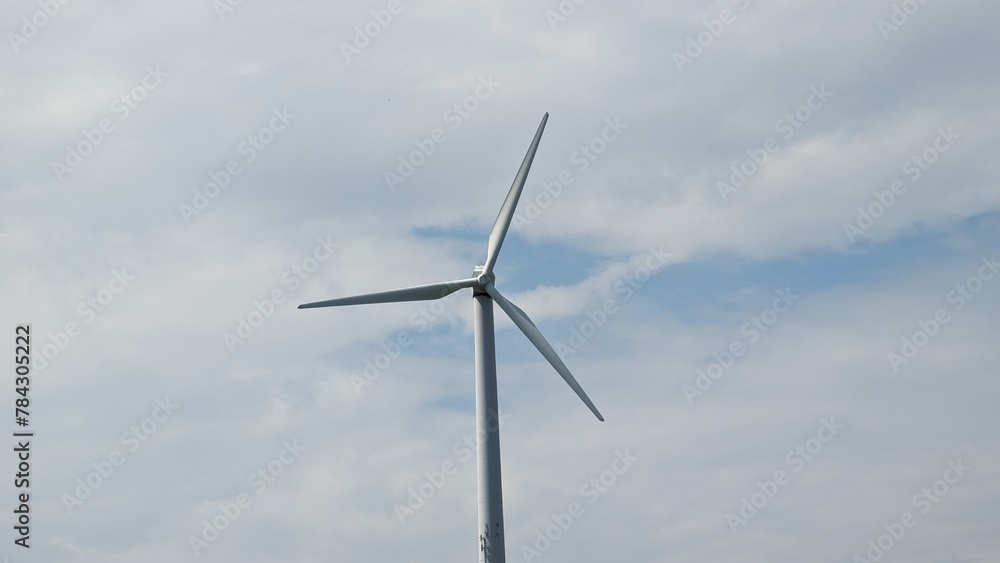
(482, 278)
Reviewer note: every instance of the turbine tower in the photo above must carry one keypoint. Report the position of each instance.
(491, 533)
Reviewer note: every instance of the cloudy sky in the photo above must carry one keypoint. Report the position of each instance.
(762, 234)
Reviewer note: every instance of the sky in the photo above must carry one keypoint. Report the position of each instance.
(763, 235)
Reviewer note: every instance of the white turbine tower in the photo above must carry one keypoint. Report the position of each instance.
(491, 534)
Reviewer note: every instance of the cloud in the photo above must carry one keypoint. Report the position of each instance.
(158, 227)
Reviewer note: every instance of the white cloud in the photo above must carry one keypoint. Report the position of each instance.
(653, 186)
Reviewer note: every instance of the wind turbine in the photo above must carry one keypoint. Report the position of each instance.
(491, 534)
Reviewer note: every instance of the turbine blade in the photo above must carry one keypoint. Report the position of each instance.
(418, 293)
(535, 336)
(502, 223)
